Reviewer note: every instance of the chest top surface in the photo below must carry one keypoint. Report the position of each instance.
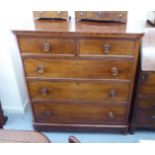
(72, 27)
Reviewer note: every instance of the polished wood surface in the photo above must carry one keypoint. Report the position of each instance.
(72, 68)
(50, 14)
(144, 103)
(116, 16)
(85, 113)
(106, 46)
(14, 136)
(85, 79)
(46, 45)
(79, 91)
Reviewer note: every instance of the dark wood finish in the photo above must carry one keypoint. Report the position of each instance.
(50, 15)
(69, 68)
(144, 104)
(3, 118)
(14, 136)
(114, 16)
(86, 82)
(85, 113)
(73, 139)
(90, 91)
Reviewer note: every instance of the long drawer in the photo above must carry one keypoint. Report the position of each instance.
(43, 45)
(147, 90)
(90, 91)
(106, 46)
(78, 113)
(148, 78)
(58, 68)
(146, 104)
(145, 117)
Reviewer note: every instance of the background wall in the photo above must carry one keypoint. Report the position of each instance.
(13, 94)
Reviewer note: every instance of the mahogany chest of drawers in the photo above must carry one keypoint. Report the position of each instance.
(80, 79)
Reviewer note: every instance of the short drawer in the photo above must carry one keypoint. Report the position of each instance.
(77, 113)
(98, 69)
(89, 91)
(146, 103)
(106, 47)
(145, 117)
(46, 45)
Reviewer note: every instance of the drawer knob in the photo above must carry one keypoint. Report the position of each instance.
(114, 71)
(48, 113)
(44, 91)
(46, 47)
(153, 118)
(111, 115)
(40, 69)
(144, 77)
(106, 48)
(112, 93)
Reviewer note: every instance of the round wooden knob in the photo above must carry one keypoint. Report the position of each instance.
(106, 48)
(46, 47)
(40, 69)
(44, 91)
(48, 113)
(114, 71)
(144, 77)
(111, 115)
(112, 93)
(152, 118)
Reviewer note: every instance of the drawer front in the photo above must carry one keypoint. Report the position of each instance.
(50, 14)
(146, 103)
(147, 90)
(99, 69)
(148, 78)
(89, 91)
(78, 113)
(145, 117)
(46, 46)
(120, 16)
(106, 47)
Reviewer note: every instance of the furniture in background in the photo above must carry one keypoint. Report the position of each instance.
(80, 78)
(59, 15)
(73, 139)
(21, 136)
(107, 16)
(143, 116)
(3, 118)
(14, 136)
(151, 18)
